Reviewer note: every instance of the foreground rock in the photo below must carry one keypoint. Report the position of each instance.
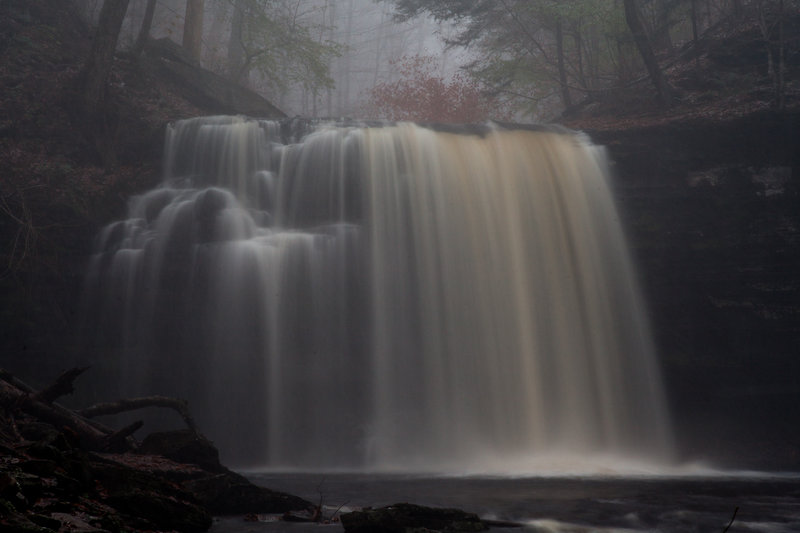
(219, 489)
(51, 479)
(406, 517)
(51, 484)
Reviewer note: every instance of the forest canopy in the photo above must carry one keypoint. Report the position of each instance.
(547, 54)
(532, 59)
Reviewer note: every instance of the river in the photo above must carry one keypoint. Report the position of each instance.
(683, 502)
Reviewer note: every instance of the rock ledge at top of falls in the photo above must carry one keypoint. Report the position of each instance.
(204, 88)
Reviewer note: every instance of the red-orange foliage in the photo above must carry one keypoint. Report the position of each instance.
(421, 95)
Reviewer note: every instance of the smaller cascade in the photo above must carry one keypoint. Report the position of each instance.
(203, 291)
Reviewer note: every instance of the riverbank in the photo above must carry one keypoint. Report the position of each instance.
(703, 501)
(61, 470)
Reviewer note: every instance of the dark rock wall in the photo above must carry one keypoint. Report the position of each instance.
(713, 213)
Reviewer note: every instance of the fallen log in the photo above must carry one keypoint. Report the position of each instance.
(90, 436)
(132, 404)
(14, 394)
(48, 466)
(13, 380)
(117, 439)
(62, 386)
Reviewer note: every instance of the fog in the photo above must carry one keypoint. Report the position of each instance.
(369, 40)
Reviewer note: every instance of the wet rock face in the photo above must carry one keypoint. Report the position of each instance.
(406, 517)
(713, 215)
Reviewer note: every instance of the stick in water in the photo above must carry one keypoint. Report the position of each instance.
(731, 522)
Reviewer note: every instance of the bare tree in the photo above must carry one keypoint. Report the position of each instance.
(144, 30)
(93, 99)
(331, 10)
(634, 20)
(566, 98)
(193, 28)
(236, 51)
(344, 93)
(98, 65)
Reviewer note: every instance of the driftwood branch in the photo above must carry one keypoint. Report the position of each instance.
(15, 398)
(122, 406)
(13, 380)
(731, 522)
(117, 439)
(62, 386)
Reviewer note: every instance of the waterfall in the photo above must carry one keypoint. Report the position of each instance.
(393, 297)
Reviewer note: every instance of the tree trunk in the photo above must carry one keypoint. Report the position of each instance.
(101, 58)
(16, 395)
(344, 94)
(61, 386)
(236, 50)
(578, 38)
(780, 75)
(331, 10)
(12, 397)
(633, 18)
(379, 38)
(566, 99)
(662, 40)
(738, 10)
(144, 31)
(94, 81)
(193, 28)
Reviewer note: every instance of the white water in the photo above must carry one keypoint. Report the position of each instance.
(390, 298)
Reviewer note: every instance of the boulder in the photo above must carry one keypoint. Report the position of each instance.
(216, 487)
(407, 517)
(229, 493)
(183, 446)
(148, 501)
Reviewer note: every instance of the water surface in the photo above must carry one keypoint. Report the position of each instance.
(671, 503)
